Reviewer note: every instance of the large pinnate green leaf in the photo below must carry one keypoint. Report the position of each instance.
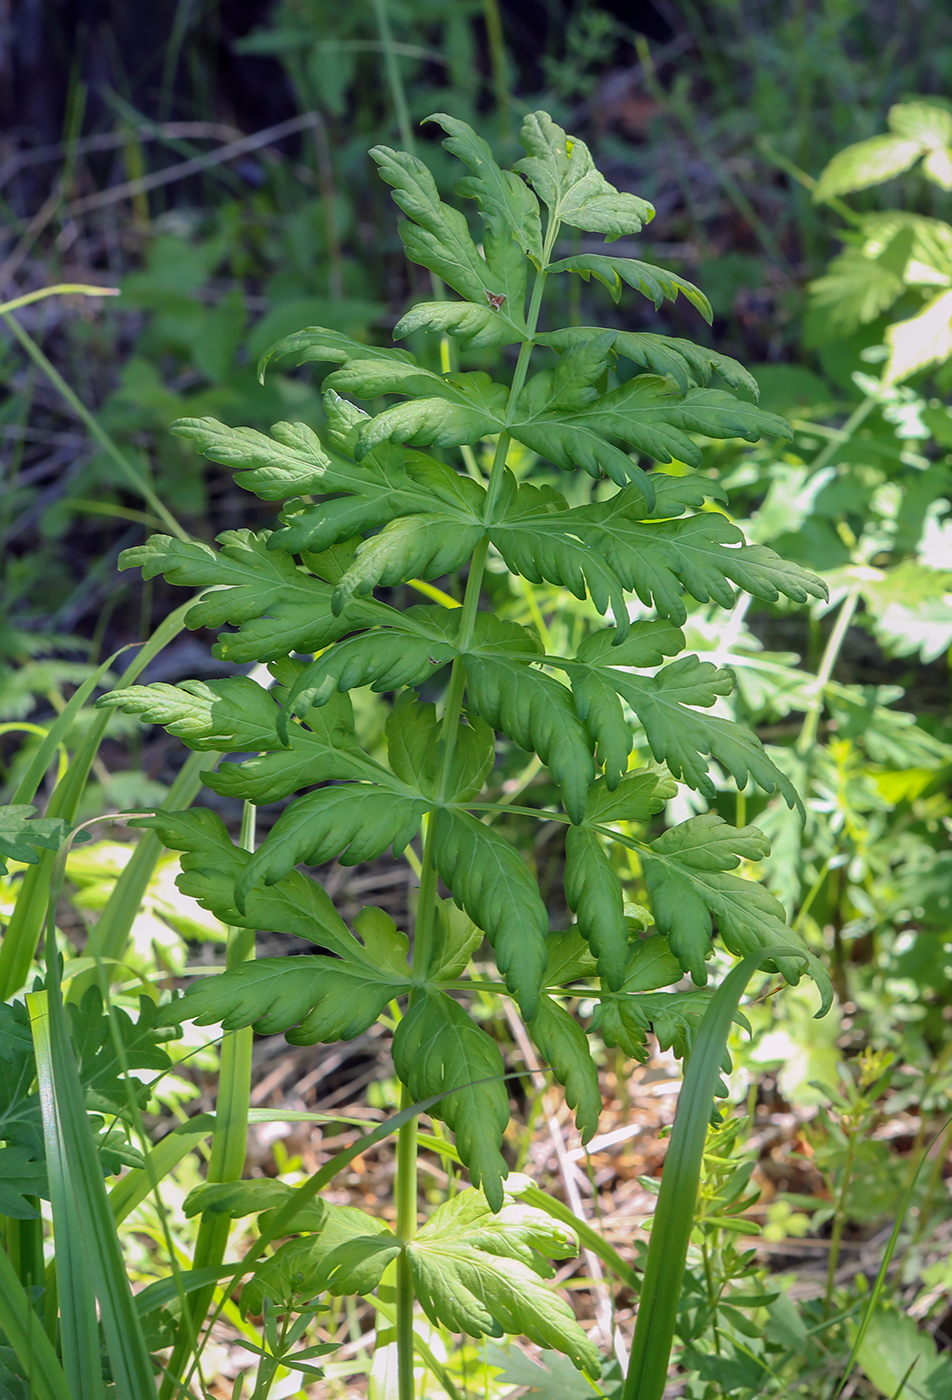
(688, 871)
(561, 171)
(353, 822)
(564, 1048)
(655, 283)
(480, 1276)
(689, 365)
(504, 200)
(436, 1047)
(278, 607)
(290, 463)
(487, 877)
(23, 834)
(537, 712)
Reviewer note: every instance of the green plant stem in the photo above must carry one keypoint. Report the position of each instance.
(856, 419)
(394, 79)
(95, 429)
(497, 60)
(230, 1138)
(839, 1222)
(831, 652)
(406, 1174)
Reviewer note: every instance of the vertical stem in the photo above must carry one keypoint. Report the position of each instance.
(839, 1222)
(394, 78)
(497, 60)
(230, 1139)
(406, 1175)
(832, 650)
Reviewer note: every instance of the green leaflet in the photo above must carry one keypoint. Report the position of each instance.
(598, 703)
(659, 560)
(417, 546)
(231, 715)
(679, 735)
(384, 660)
(592, 888)
(537, 712)
(649, 414)
(324, 751)
(505, 201)
(655, 283)
(353, 822)
(488, 878)
(481, 1275)
(436, 1047)
(686, 871)
(309, 998)
(624, 1017)
(475, 327)
(297, 1270)
(594, 894)
(277, 607)
(320, 343)
(438, 236)
(561, 171)
(291, 462)
(563, 1046)
(211, 863)
(413, 748)
(22, 833)
(689, 365)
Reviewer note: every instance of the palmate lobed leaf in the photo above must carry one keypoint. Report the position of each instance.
(480, 1274)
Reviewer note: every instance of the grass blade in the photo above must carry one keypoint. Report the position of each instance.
(25, 1335)
(23, 931)
(677, 1199)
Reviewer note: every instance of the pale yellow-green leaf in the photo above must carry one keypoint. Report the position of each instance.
(937, 167)
(924, 122)
(925, 339)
